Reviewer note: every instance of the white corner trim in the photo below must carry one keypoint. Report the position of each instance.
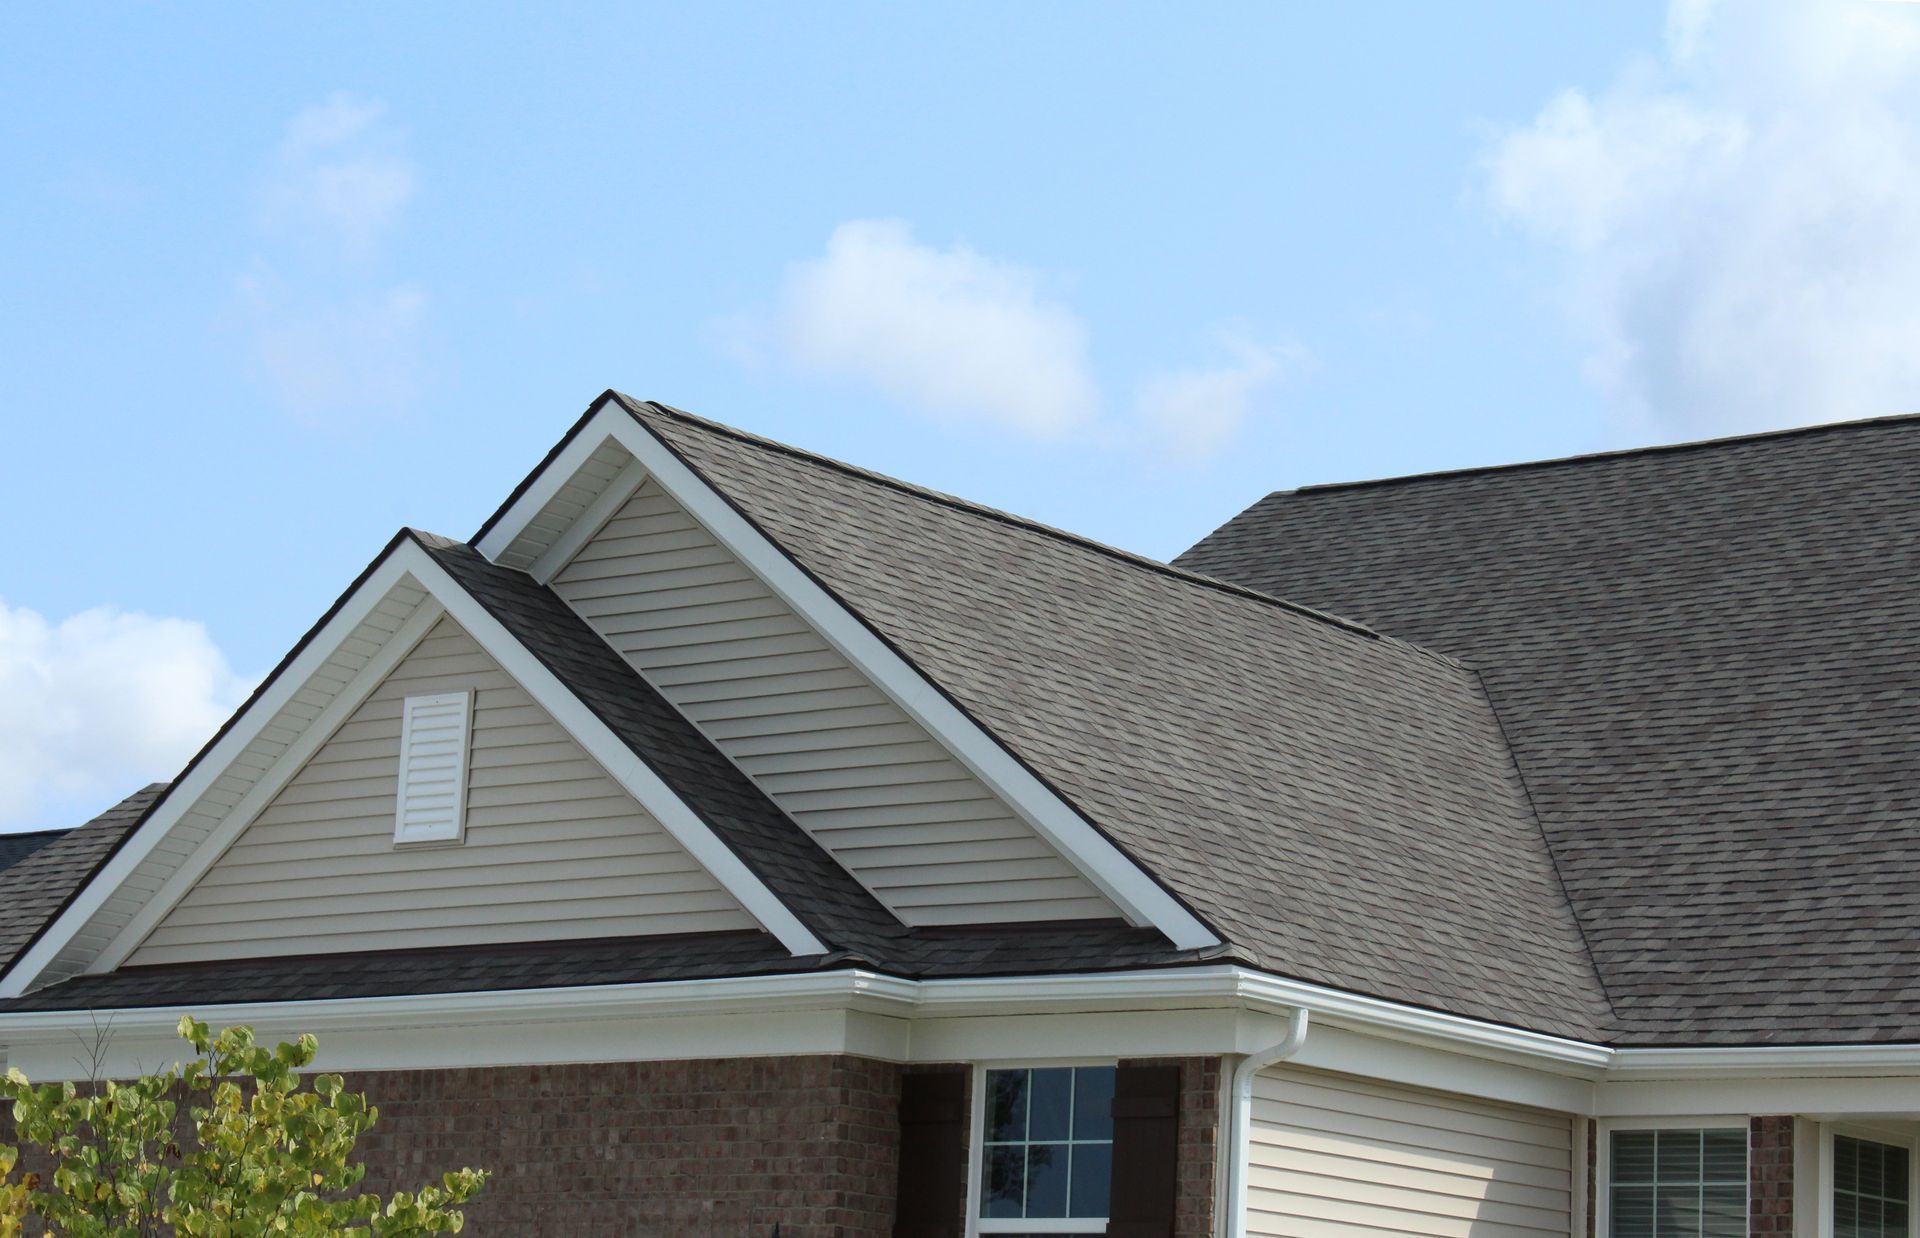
(180, 797)
(587, 525)
(614, 756)
(189, 871)
(1129, 887)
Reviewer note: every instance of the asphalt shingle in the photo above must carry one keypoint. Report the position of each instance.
(1703, 660)
(1338, 805)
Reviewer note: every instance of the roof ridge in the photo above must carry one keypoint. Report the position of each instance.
(1652, 449)
(970, 507)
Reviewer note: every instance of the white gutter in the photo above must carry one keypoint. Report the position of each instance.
(1212, 986)
(1240, 1116)
(1765, 1060)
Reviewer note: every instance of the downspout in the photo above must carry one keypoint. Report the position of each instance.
(1240, 1117)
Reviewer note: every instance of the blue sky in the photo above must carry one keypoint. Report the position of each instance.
(280, 279)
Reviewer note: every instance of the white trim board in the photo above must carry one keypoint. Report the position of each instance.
(1128, 886)
(405, 561)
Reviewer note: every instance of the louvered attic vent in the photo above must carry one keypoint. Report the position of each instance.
(434, 731)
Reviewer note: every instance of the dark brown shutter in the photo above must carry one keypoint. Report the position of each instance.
(931, 1200)
(1146, 1149)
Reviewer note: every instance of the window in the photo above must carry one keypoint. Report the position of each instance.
(1872, 1188)
(1046, 1150)
(1678, 1183)
(432, 805)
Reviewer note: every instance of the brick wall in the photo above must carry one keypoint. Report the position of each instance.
(1199, 1139)
(724, 1148)
(1770, 1177)
(729, 1147)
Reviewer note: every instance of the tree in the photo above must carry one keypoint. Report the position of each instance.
(260, 1156)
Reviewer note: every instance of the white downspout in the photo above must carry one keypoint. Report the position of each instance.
(1240, 1117)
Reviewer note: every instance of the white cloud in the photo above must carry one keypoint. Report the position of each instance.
(333, 333)
(1195, 412)
(349, 356)
(340, 177)
(947, 330)
(100, 703)
(1739, 218)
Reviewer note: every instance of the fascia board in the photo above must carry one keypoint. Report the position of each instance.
(1215, 986)
(1765, 1061)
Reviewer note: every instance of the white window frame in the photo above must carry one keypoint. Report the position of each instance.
(456, 832)
(1879, 1134)
(1601, 1189)
(986, 1227)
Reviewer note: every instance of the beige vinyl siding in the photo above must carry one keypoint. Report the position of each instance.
(554, 848)
(826, 745)
(1338, 1157)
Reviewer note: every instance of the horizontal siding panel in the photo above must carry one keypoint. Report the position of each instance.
(399, 898)
(351, 863)
(1331, 1154)
(554, 848)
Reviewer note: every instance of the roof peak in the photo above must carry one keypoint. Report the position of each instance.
(983, 511)
(1593, 457)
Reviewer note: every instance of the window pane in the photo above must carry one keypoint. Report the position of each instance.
(1724, 1157)
(1006, 1105)
(1633, 1157)
(1632, 1212)
(1000, 1185)
(1092, 1180)
(1050, 1103)
(1873, 1179)
(1893, 1171)
(1676, 1211)
(1723, 1212)
(1846, 1215)
(1047, 1180)
(1846, 1163)
(1893, 1221)
(1093, 1104)
(1678, 1157)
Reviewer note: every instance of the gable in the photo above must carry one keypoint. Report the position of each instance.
(554, 848)
(814, 733)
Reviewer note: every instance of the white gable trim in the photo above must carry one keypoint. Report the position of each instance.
(588, 523)
(1139, 896)
(195, 865)
(407, 561)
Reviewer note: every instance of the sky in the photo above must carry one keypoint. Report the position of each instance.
(277, 280)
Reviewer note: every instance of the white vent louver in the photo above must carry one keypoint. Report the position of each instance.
(433, 768)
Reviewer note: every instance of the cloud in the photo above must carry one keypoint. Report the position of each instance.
(947, 330)
(100, 703)
(340, 177)
(333, 333)
(1195, 412)
(357, 355)
(1737, 220)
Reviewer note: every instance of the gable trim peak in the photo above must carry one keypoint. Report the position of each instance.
(1130, 887)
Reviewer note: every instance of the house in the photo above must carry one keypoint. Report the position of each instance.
(725, 838)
